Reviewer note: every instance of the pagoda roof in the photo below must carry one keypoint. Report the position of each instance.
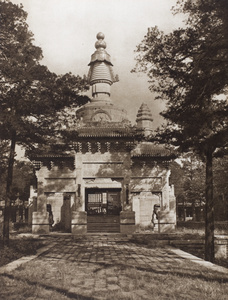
(148, 149)
(51, 155)
(106, 131)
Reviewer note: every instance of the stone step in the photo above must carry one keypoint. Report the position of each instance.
(103, 227)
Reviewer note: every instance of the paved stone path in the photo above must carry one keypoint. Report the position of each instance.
(92, 267)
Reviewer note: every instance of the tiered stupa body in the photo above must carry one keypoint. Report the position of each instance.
(144, 119)
(113, 179)
(101, 77)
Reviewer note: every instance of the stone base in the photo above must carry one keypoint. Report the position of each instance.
(166, 227)
(79, 222)
(155, 228)
(166, 221)
(40, 223)
(127, 222)
(127, 229)
(221, 248)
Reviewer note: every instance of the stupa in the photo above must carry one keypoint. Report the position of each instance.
(113, 180)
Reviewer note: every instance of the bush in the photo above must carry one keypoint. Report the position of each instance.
(22, 227)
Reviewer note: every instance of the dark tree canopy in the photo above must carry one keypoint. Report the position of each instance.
(188, 68)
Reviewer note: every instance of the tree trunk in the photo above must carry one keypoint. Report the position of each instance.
(8, 190)
(209, 210)
(193, 211)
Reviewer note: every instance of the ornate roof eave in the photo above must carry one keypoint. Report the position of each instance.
(111, 135)
(104, 133)
(57, 150)
(107, 130)
(157, 156)
(150, 150)
(49, 156)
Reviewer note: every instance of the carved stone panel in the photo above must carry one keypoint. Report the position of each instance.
(146, 184)
(93, 169)
(60, 185)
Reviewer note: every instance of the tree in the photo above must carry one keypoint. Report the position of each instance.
(188, 68)
(220, 169)
(32, 97)
(4, 151)
(188, 179)
(23, 178)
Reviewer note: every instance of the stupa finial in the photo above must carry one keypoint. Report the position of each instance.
(100, 43)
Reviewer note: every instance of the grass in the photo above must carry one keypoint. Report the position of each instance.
(17, 248)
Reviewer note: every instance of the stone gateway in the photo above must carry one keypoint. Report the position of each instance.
(113, 179)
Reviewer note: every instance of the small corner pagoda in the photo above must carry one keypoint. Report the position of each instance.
(113, 180)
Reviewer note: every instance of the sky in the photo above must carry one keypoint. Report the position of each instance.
(66, 31)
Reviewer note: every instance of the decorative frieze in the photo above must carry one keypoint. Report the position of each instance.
(98, 147)
(51, 162)
(37, 165)
(102, 146)
(78, 146)
(108, 146)
(166, 164)
(89, 146)
(130, 145)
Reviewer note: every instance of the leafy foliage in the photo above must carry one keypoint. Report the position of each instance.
(189, 179)
(23, 177)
